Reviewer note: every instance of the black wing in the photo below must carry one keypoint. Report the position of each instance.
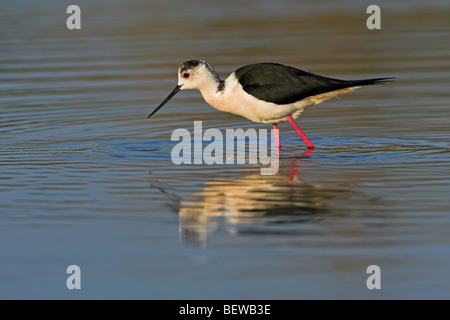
(282, 84)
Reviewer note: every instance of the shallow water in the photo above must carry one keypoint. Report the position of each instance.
(86, 179)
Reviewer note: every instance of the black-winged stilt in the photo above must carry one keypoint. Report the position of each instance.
(263, 92)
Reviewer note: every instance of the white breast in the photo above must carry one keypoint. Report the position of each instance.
(235, 100)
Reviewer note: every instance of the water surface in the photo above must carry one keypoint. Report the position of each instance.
(86, 179)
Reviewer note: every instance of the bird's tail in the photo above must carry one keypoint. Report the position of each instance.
(367, 82)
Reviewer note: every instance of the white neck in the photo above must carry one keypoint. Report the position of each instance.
(213, 90)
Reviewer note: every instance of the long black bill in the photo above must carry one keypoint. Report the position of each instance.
(174, 92)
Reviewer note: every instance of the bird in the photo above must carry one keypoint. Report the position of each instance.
(263, 92)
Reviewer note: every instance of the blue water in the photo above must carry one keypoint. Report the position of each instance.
(87, 179)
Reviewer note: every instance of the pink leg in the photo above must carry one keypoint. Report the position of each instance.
(302, 135)
(276, 135)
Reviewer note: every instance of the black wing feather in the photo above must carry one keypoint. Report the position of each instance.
(282, 84)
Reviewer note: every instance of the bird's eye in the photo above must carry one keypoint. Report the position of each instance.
(186, 75)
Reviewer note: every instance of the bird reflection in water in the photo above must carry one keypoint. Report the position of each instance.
(250, 200)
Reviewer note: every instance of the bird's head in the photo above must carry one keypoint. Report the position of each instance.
(192, 74)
